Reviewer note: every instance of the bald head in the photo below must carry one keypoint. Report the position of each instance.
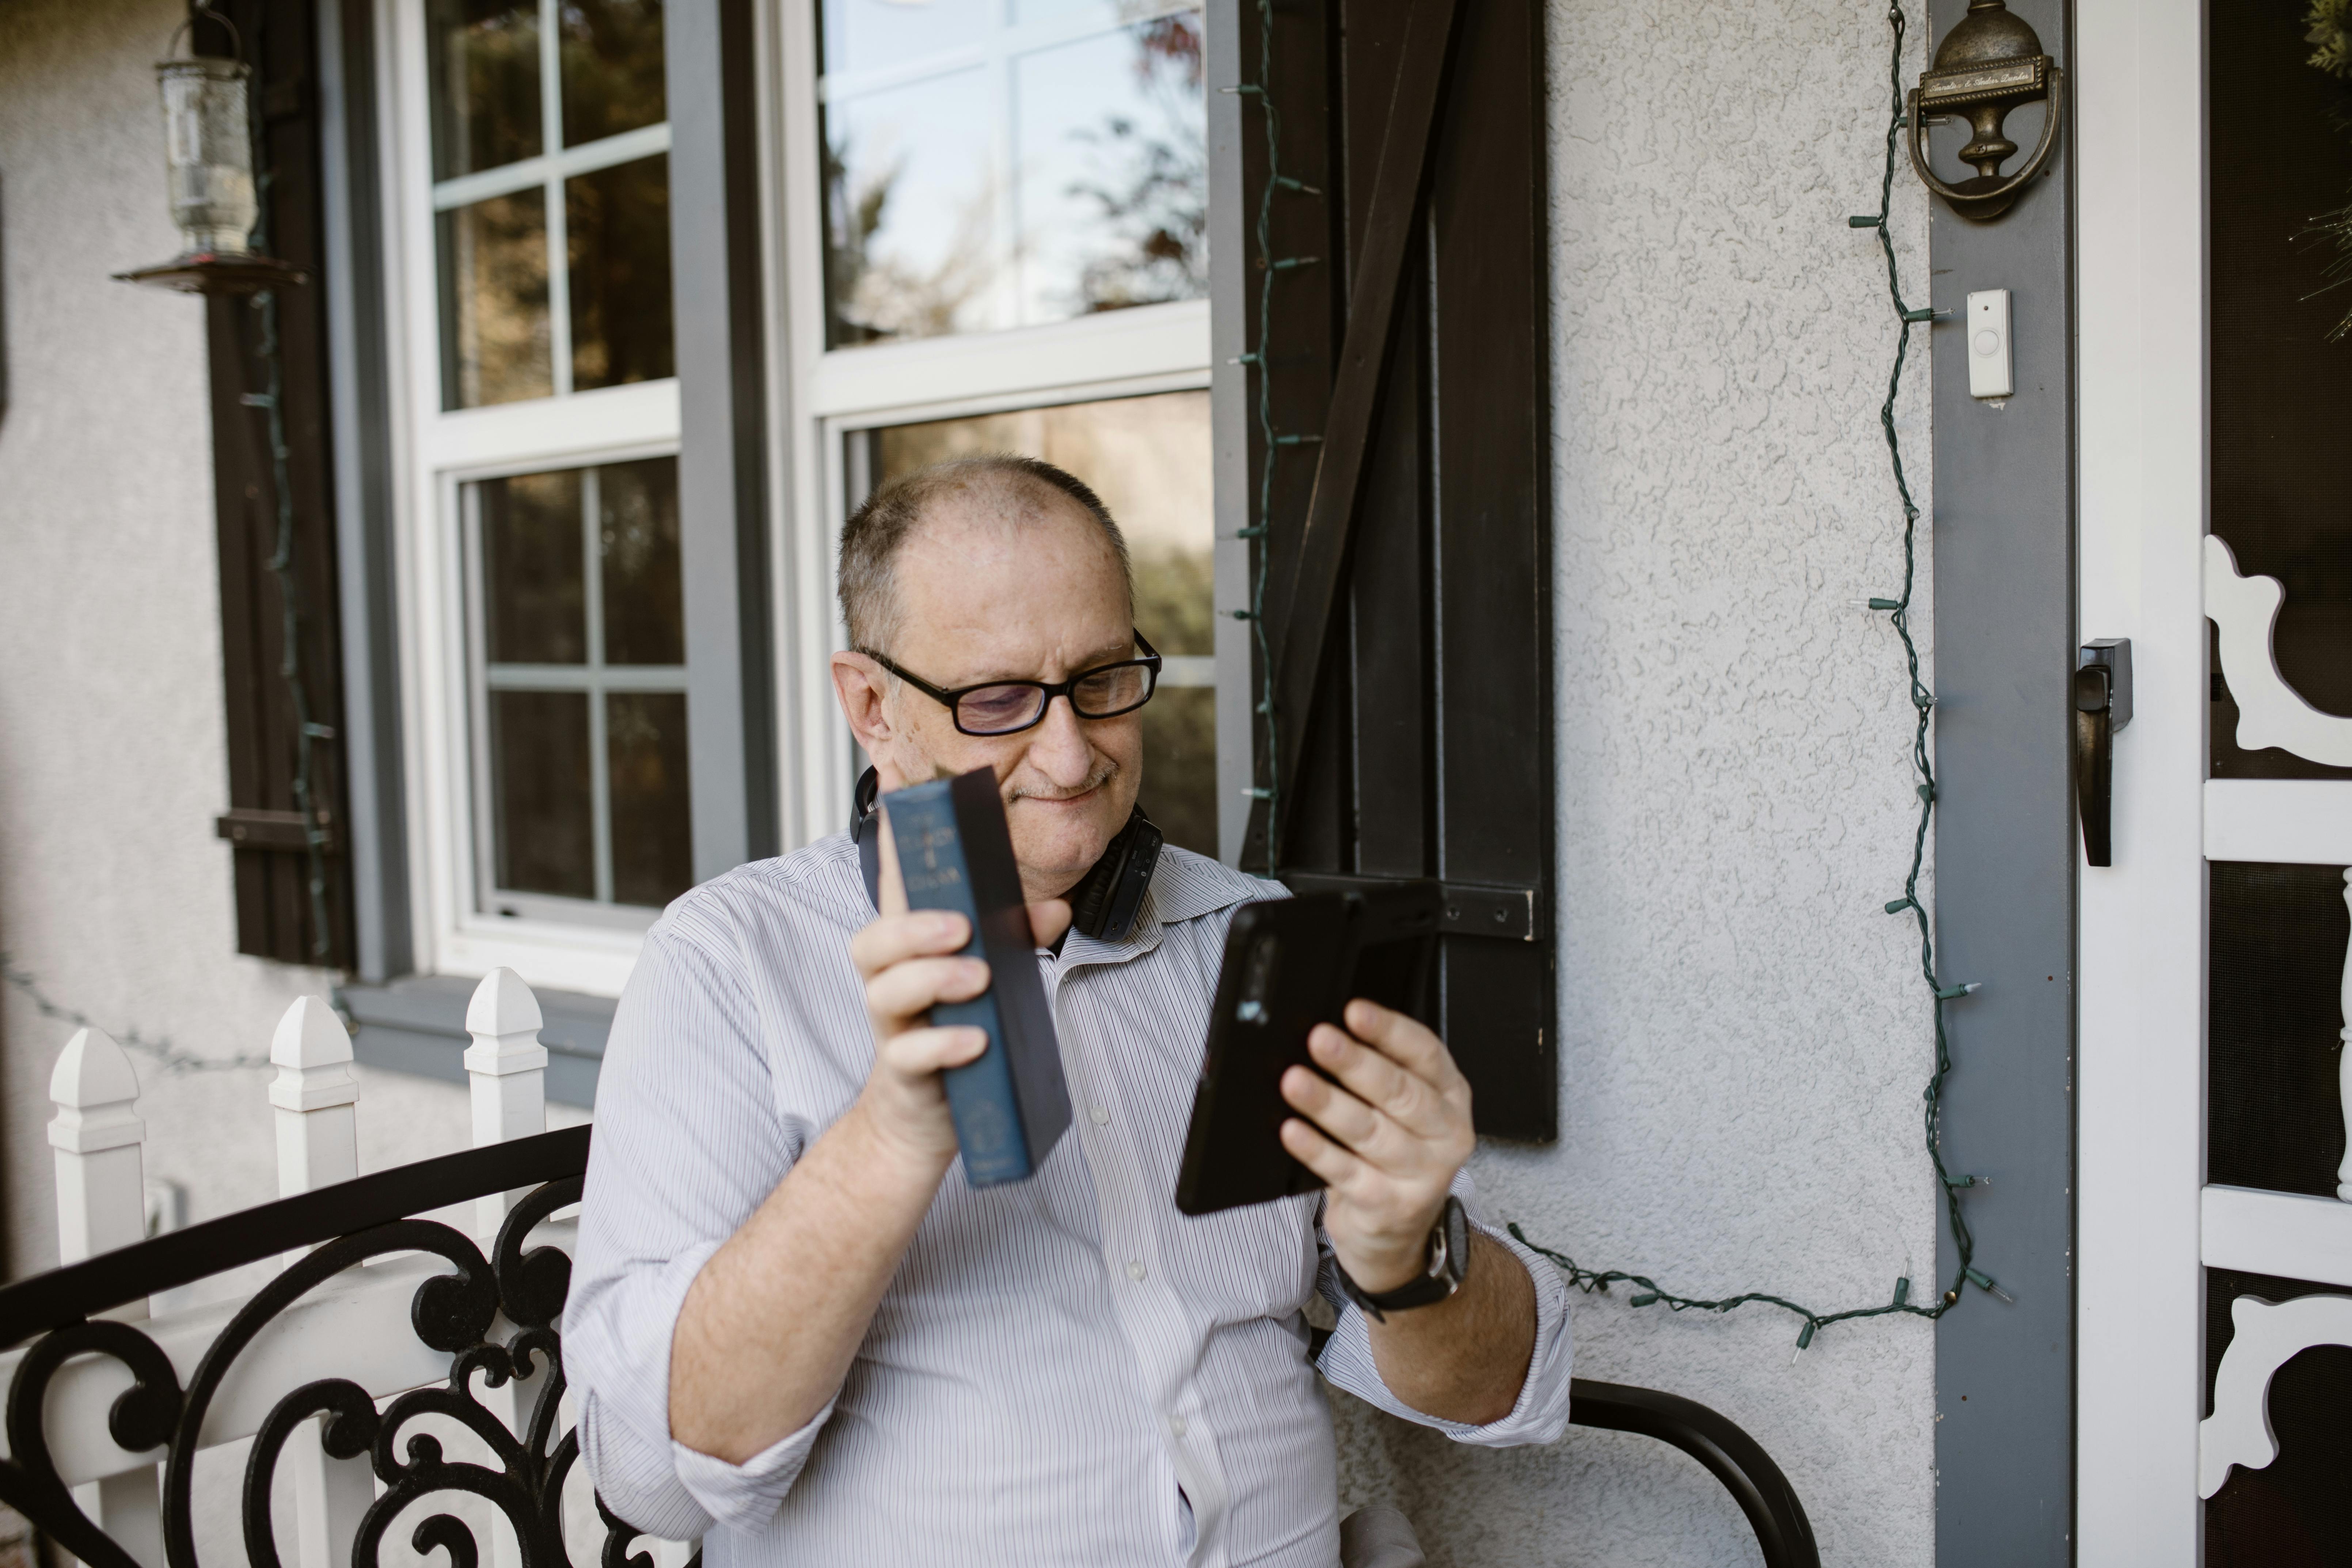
(993, 491)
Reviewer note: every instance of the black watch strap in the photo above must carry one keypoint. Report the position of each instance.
(1448, 1265)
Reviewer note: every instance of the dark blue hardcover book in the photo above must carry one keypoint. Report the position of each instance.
(1011, 1104)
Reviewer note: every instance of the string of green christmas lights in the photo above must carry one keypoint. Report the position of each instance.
(1270, 267)
(1923, 703)
(172, 1059)
(271, 402)
(1649, 1292)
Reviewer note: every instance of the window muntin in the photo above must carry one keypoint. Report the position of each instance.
(989, 166)
(554, 264)
(580, 682)
(1148, 458)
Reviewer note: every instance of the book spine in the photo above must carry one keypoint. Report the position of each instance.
(981, 1094)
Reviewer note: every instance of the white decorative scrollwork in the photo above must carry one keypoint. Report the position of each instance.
(2267, 1336)
(2270, 711)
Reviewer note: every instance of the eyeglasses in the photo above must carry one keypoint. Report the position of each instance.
(1009, 707)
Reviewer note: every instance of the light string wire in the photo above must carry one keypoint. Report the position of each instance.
(174, 1059)
(1260, 358)
(271, 402)
(1649, 1291)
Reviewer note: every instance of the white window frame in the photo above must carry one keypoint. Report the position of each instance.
(823, 395)
(436, 453)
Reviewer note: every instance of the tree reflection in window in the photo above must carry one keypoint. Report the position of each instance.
(1064, 173)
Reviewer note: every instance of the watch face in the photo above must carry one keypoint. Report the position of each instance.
(1457, 1239)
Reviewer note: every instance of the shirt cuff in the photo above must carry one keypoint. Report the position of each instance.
(1540, 1415)
(746, 1496)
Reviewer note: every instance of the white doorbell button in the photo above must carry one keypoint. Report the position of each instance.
(1989, 372)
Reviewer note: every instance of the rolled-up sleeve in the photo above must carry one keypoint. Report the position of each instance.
(1540, 1413)
(689, 1142)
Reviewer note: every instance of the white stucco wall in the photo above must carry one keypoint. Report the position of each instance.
(1743, 1034)
(114, 893)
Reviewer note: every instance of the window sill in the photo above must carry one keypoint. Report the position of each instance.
(418, 1026)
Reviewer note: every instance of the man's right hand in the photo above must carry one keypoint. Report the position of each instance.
(909, 960)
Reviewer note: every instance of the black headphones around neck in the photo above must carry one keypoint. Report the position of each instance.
(1102, 905)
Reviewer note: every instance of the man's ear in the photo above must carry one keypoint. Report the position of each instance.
(861, 685)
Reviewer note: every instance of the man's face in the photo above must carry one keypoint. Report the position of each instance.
(1017, 587)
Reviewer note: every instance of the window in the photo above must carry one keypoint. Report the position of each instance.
(548, 699)
(996, 230)
(551, 196)
(580, 689)
(989, 165)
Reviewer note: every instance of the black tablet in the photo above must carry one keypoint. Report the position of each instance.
(1290, 964)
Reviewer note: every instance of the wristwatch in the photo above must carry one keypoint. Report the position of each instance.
(1448, 1265)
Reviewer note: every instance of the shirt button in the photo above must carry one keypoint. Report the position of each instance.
(1098, 1114)
(1176, 1426)
(1135, 1268)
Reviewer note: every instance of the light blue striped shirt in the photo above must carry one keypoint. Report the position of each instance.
(1065, 1371)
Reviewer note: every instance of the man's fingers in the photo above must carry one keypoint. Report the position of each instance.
(905, 990)
(1048, 919)
(1338, 1114)
(893, 939)
(1313, 1150)
(1412, 1101)
(920, 1051)
(1404, 1040)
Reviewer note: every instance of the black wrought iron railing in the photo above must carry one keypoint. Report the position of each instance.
(454, 1313)
(451, 1313)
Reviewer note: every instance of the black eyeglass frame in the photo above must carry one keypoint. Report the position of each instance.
(953, 697)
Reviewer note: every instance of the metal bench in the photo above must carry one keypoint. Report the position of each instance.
(390, 1319)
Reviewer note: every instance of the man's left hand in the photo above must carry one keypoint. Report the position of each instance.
(1386, 1131)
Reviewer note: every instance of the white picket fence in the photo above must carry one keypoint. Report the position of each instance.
(355, 1326)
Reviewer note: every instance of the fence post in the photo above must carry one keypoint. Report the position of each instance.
(102, 1204)
(506, 1069)
(317, 1111)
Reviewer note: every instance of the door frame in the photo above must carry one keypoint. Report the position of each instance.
(2141, 417)
(2149, 1226)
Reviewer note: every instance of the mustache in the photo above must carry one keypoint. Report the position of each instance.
(1100, 774)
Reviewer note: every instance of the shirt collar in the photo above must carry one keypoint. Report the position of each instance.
(1184, 887)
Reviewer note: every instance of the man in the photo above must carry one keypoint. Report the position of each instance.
(797, 1332)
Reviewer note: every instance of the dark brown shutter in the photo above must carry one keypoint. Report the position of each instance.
(278, 915)
(1409, 590)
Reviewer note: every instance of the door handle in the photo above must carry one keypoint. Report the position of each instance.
(2102, 705)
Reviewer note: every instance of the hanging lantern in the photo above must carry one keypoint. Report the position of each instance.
(208, 165)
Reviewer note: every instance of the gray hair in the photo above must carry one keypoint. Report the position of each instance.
(878, 529)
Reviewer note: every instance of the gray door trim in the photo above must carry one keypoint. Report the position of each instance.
(2005, 859)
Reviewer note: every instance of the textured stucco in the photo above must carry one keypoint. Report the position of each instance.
(1742, 1043)
(1742, 1035)
(114, 893)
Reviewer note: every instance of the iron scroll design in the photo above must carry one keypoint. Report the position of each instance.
(454, 1312)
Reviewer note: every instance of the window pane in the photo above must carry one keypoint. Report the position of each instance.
(645, 621)
(541, 791)
(1113, 150)
(484, 64)
(861, 35)
(533, 595)
(618, 220)
(1180, 762)
(494, 342)
(653, 826)
(911, 215)
(1148, 457)
(612, 59)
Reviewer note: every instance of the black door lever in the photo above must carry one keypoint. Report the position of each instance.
(2102, 706)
